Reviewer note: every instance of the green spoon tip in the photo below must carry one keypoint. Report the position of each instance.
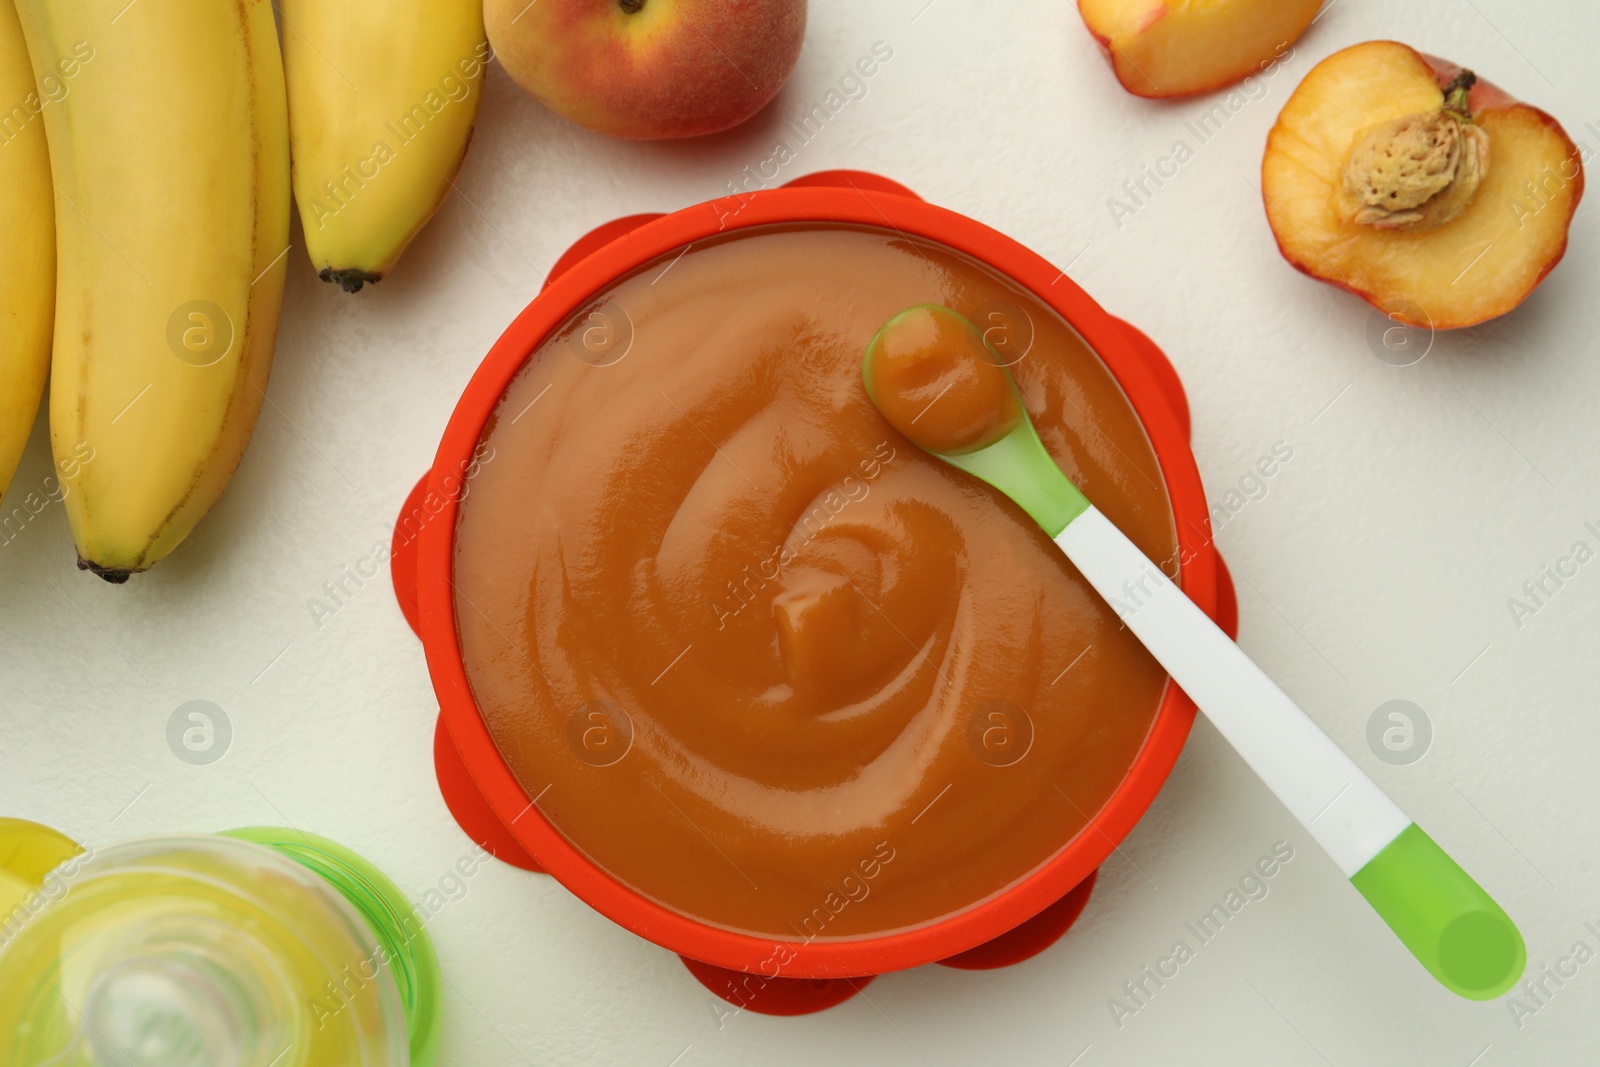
(937, 380)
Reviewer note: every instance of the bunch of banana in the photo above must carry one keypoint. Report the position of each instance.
(170, 159)
(383, 96)
(27, 246)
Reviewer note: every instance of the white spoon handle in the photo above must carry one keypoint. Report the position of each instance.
(1343, 809)
(1454, 928)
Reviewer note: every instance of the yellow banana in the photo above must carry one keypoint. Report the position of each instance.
(170, 158)
(383, 95)
(27, 244)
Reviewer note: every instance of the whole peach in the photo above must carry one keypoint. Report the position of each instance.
(649, 69)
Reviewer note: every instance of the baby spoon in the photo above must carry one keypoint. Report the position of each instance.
(935, 378)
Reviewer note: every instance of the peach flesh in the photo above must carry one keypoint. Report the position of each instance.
(1163, 48)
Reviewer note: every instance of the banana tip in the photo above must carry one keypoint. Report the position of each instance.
(113, 575)
(350, 279)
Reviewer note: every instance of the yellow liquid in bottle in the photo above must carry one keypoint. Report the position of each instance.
(194, 952)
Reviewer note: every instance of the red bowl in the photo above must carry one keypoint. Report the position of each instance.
(482, 791)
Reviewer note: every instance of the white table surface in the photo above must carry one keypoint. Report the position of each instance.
(1377, 567)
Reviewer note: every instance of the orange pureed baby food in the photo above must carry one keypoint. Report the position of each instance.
(754, 654)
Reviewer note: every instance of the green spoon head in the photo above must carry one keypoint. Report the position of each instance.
(930, 348)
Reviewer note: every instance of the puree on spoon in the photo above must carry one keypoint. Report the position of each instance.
(939, 383)
(755, 655)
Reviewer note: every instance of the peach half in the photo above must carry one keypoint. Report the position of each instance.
(1435, 197)
(1178, 47)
